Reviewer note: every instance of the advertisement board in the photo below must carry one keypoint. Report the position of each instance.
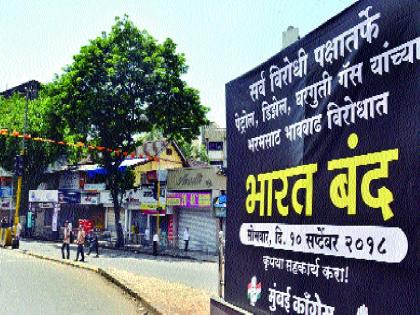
(323, 170)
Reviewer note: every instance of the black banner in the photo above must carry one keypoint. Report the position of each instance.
(323, 146)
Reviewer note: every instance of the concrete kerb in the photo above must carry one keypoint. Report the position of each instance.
(162, 254)
(103, 273)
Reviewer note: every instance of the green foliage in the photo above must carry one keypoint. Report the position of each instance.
(194, 151)
(122, 84)
(41, 123)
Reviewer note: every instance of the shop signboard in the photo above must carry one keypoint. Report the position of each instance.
(90, 198)
(95, 187)
(196, 179)
(46, 205)
(323, 170)
(219, 206)
(43, 196)
(105, 197)
(6, 191)
(198, 199)
(69, 196)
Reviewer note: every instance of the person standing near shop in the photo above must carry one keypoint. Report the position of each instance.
(66, 240)
(80, 241)
(155, 243)
(186, 239)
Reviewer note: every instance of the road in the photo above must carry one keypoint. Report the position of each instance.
(32, 286)
(199, 275)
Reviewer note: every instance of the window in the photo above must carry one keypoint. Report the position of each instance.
(219, 163)
(216, 146)
(168, 151)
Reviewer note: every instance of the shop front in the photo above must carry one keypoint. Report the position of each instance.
(143, 212)
(43, 213)
(190, 195)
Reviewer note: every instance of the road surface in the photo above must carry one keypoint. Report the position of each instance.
(199, 275)
(32, 286)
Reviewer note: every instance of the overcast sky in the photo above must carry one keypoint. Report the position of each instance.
(221, 39)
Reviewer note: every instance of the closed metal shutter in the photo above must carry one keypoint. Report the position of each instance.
(202, 227)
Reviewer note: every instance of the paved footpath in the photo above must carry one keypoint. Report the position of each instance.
(172, 286)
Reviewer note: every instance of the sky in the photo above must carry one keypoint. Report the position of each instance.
(221, 39)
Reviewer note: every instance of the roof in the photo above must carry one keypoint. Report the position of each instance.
(155, 148)
(195, 163)
(21, 89)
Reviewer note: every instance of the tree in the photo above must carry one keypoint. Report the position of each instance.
(38, 155)
(121, 84)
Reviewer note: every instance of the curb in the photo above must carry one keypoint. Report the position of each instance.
(162, 254)
(103, 273)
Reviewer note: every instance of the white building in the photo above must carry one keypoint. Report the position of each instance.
(214, 138)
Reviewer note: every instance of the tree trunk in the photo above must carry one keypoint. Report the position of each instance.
(117, 208)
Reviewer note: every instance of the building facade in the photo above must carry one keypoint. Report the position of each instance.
(189, 197)
(214, 138)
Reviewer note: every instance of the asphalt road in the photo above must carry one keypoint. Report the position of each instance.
(199, 275)
(32, 286)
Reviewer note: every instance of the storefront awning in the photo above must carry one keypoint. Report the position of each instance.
(95, 169)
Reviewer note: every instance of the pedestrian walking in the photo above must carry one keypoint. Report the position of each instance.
(155, 244)
(66, 240)
(186, 239)
(93, 243)
(80, 241)
(70, 226)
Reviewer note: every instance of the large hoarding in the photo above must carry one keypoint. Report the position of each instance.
(322, 172)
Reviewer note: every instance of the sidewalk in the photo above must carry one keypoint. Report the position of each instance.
(175, 253)
(171, 285)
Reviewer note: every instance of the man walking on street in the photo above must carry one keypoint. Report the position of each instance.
(155, 243)
(93, 243)
(80, 241)
(66, 240)
(186, 239)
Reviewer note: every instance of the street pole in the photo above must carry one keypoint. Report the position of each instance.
(158, 200)
(19, 183)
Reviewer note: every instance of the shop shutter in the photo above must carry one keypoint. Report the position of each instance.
(202, 227)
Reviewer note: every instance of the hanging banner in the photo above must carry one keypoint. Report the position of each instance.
(323, 144)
